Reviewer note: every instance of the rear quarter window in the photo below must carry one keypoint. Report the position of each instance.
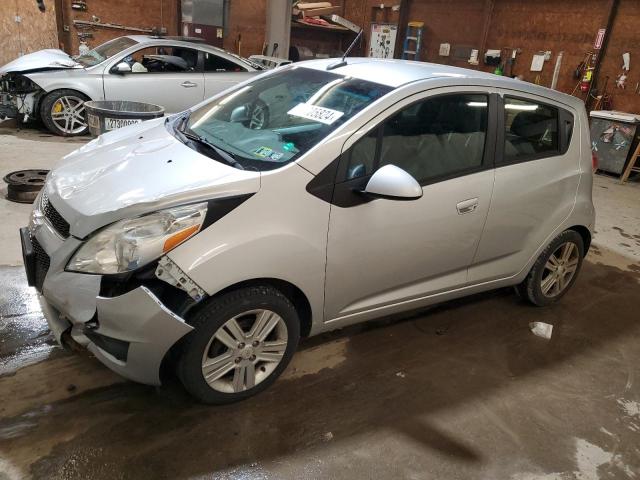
(533, 130)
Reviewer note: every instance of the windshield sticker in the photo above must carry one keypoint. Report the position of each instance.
(313, 112)
(262, 152)
(266, 152)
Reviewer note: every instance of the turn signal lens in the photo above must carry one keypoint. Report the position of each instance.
(176, 239)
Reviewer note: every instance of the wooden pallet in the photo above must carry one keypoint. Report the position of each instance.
(632, 167)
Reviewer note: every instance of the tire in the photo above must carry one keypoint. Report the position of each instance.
(71, 113)
(539, 287)
(229, 376)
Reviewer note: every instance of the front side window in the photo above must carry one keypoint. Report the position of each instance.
(105, 51)
(163, 60)
(434, 138)
(277, 118)
(531, 130)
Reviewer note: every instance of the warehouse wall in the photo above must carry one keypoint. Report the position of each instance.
(531, 26)
(37, 30)
(547, 25)
(246, 20)
(138, 14)
(624, 39)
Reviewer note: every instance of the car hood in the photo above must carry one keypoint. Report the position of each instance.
(40, 60)
(137, 170)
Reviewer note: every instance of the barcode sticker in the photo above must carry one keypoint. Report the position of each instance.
(313, 112)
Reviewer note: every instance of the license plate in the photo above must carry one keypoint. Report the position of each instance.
(114, 123)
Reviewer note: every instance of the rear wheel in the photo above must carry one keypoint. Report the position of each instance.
(555, 270)
(242, 342)
(63, 113)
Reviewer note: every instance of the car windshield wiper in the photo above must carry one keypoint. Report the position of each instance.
(226, 156)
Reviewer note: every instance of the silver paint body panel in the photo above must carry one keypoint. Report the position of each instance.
(98, 83)
(352, 264)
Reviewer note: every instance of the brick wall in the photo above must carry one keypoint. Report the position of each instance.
(138, 14)
(532, 26)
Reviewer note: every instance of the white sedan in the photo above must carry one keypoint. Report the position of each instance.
(168, 71)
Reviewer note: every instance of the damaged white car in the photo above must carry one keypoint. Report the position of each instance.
(168, 71)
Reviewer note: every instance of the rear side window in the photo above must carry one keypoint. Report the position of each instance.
(531, 130)
(214, 63)
(436, 138)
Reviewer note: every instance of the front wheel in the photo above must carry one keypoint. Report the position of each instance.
(241, 342)
(555, 270)
(63, 113)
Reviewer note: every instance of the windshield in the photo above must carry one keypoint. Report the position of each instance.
(104, 51)
(275, 119)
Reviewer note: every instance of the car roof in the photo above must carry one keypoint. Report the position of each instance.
(396, 73)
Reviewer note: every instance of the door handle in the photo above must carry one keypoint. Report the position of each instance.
(188, 84)
(467, 206)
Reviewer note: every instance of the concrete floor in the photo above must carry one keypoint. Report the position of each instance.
(463, 390)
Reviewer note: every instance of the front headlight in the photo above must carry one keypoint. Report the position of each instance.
(131, 243)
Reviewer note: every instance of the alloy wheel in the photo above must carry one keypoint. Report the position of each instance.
(560, 269)
(244, 351)
(68, 115)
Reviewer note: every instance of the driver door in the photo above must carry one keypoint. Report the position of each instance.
(162, 75)
(386, 255)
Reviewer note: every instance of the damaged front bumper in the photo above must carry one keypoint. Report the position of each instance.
(130, 332)
(18, 97)
(21, 107)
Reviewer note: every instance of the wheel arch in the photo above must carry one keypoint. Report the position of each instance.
(293, 293)
(585, 234)
(46, 93)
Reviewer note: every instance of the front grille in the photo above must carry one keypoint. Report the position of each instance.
(53, 217)
(41, 263)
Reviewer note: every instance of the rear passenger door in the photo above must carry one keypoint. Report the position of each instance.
(536, 179)
(383, 253)
(221, 73)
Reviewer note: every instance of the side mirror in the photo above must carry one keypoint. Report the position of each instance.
(394, 183)
(122, 68)
(239, 114)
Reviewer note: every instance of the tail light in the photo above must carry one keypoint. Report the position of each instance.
(594, 161)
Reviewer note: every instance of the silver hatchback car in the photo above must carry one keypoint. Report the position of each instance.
(211, 245)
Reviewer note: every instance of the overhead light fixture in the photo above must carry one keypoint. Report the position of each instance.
(524, 108)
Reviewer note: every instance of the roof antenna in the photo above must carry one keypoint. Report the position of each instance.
(343, 62)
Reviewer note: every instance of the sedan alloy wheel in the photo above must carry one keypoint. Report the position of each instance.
(68, 115)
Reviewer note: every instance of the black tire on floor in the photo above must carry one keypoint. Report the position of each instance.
(531, 289)
(215, 313)
(45, 111)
